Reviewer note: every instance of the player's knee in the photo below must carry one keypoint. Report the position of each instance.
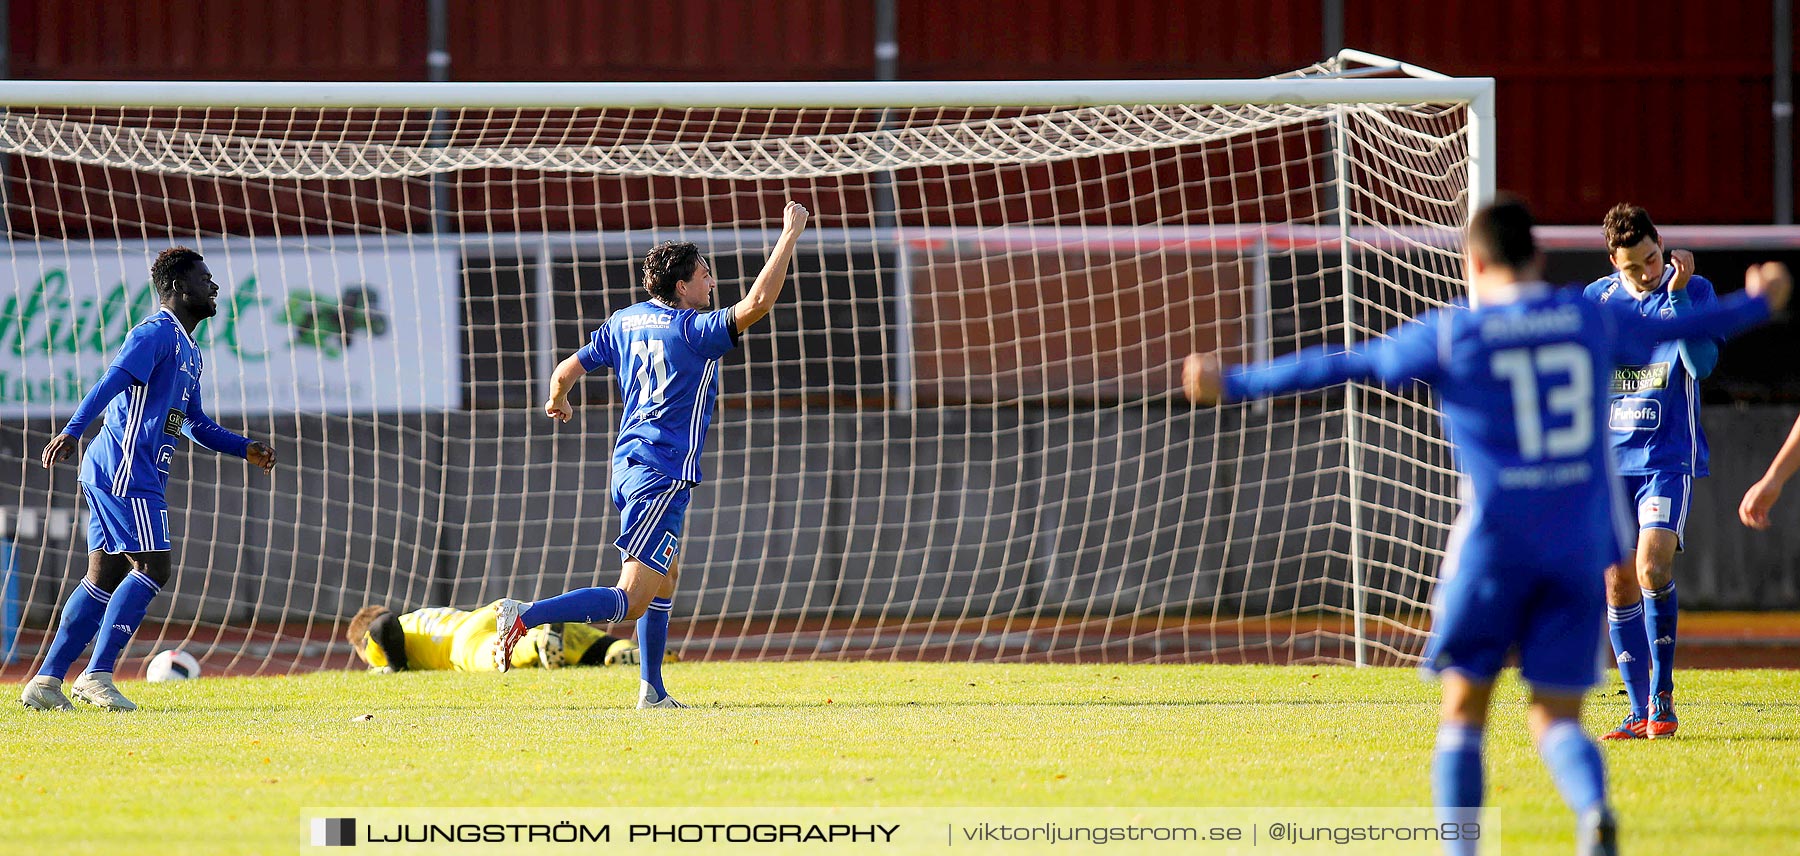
(106, 571)
(156, 567)
(1622, 587)
(1654, 572)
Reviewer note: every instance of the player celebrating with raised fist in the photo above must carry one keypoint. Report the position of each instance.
(664, 353)
(1655, 422)
(1518, 380)
(151, 398)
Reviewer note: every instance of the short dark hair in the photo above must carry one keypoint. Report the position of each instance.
(1627, 225)
(1500, 233)
(668, 263)
(170, 267)
(359, 626)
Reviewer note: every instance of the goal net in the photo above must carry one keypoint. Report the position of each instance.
(958, 435)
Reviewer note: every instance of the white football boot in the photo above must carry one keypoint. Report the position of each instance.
(511, 630)
(96, 688)
(647, 698)
(43, 692)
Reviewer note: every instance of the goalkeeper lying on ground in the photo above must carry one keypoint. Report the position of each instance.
(439, 638)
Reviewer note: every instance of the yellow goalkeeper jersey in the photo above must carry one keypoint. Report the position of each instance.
(444, 638)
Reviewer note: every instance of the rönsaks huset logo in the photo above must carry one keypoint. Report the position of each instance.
(1630, 380)
(334, 832)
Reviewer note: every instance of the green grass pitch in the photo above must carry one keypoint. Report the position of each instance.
(224, 765)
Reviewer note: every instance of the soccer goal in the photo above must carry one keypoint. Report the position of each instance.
(957, 437)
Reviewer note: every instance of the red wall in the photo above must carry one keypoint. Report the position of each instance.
(1667, 105)
(1694, 78)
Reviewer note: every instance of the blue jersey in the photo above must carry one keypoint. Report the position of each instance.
(145, 423)
(1521, 387)
(1655, 417)
(667, 364)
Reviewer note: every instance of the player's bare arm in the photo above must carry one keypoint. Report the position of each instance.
(561, 382)
(1761, 497)
(1772, 280)
(769, 283)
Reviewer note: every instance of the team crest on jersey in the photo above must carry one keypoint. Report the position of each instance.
(1629, 380)
(1668, 312)
(665, 551)
(1636, 414)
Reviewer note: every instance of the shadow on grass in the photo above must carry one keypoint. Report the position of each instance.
(533, 706)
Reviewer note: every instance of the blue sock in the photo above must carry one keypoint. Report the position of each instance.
(584, 605)
(653, 641)
(1574, 764)
(1456, 778)
(80, 620)
(1659, 620)
(129, 603)
(1631, 644)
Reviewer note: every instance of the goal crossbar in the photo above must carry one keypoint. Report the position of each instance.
(747, 94)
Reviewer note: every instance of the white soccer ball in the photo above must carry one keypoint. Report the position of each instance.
(172, 665)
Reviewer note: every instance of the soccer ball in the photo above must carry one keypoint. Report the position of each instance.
(172, 665)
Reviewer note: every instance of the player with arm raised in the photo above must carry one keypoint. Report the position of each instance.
(1520, 382)
(664, 353)
(151, 398)
(1655, 422)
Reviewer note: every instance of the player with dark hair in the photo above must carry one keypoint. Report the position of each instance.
(1655, 422)
(151, 398)
(1518, 379)
(441, 638)
(664, 353)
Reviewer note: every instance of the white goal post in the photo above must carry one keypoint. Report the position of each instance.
(956, 437)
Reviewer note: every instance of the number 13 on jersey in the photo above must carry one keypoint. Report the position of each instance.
(1565, 373)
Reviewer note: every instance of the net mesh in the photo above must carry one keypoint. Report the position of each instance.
(954, 438)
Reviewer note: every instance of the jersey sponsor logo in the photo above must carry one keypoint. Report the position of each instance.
(1654, 509)
(1630, 380)
(1636, 414)
(633, 323)
(172, 423)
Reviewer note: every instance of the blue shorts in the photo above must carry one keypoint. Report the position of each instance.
(1496, 598)
(1661, 500)
(653, 506)
(126, 524)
